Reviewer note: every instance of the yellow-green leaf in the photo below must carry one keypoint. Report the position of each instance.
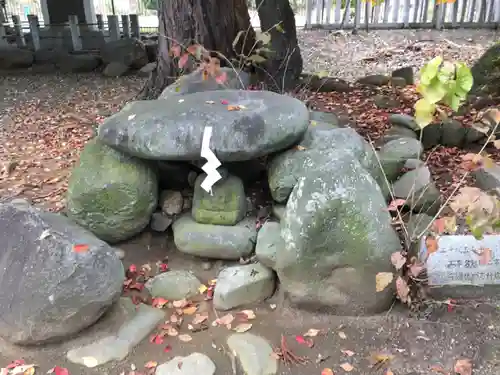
(256, 59)
(430, 70)
(424, 112)
(264, 37)
(446, 72)
(464, 77)
(237, 39)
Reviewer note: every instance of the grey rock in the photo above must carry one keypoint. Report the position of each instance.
(413, 164)
(225, 205)
(46, 56)
(325, 117)
(394, 154)
(192, 178)
(243, 285)
(254, 353)
(160, 222)
(279, 211)
(398, 82)
(195, 82)
(452, 133)
(385, 102)
(398, 131)
(338, 236)
(77, 63)
(325, 84)
(374, 80)
(473, 136)
(419, 190)
(39, 305)
(110, 193)
(417, 224)
(173, 130)
(431, 135)
(128, 51)
(487, 177)
(116, 348)
(171, 202)
(13, 57)
(214, 241)
(323, 148)
(269, 243)
(406, 73)
(147, 69)
(404, 120)
(115, 69)
(193, 364)
(187, 204)
(174, 285)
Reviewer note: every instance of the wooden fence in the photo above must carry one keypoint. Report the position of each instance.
(113, 28)
(395, 14)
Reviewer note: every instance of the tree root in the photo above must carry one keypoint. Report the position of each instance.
(287, 356)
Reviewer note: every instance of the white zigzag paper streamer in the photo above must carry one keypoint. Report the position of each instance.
(210, 168)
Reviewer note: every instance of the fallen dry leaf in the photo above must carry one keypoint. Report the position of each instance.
(396, 204)
(249, 314)
(347, 367)
(190, 310)
(233, 108)
(398, 260)
(402, 289)
(159, 302)
(431, 244)
(151, 364)
(225, 320)
(300, 148)
(185, 337)
(80, 248)
(378, 360)
(348, 353)
(327, 371)
(439, 369)
(57, 370)
(302, 340)
(202, 289)
(389, 372)
(463, 367)
(342, 335)
(312, 332)
(382, 280)
(180, 304)
(200, 318)
(242, 327)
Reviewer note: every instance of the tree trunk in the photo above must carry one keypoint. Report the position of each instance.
(213, 24)
(283, 70)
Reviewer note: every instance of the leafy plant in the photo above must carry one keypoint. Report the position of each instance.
(442, 83)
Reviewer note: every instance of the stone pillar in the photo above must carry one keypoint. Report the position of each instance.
(90, 15)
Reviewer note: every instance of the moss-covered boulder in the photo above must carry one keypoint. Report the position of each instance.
(225, 205)
(337, 236)
(110, 193)
(486, 71)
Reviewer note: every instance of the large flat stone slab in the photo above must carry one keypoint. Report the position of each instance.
(173, 129)
(463, 266)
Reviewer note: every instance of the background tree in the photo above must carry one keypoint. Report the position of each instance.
(215, 25)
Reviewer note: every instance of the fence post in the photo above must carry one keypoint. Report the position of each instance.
(35, 31)
(100, 22)
(126, 26)
(439, 16)
(357, 15)
(134, 26)
(3, 35)
(21, 41)
(114, 28)
(74, 29)
(309, 8)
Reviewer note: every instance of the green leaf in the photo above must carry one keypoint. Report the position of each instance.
(464, 77)
(452, 101)
(434, 92)
(477, 232)
(430, 70)
(446, 72)
(424, 112)
(280, 28)
(264, 37)
(322, 74)
(257, 59)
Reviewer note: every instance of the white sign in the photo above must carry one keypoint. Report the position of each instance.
(210, 168)
(463, 260)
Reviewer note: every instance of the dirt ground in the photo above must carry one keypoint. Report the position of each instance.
(417, 345)
(46, 119)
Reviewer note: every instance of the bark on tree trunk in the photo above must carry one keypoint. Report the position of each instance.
(283, 70)
(214, 24)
